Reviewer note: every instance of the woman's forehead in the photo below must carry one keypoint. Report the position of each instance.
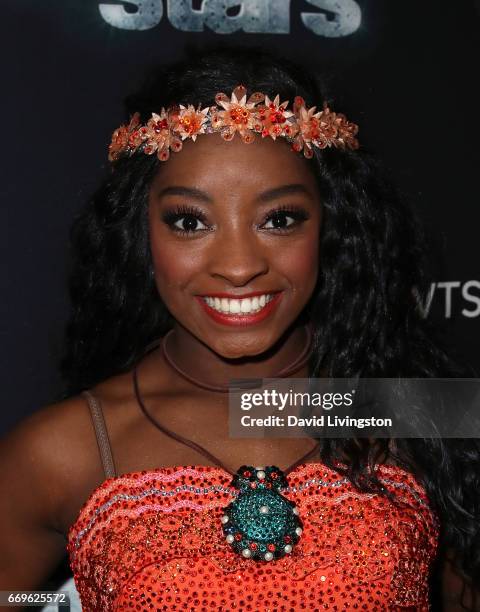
(211, 161)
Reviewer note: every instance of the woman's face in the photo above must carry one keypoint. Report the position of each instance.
(227, 220)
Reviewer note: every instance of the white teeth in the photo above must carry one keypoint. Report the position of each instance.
(244, 306)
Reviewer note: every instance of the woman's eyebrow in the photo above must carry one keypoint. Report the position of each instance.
(265, 196)
(190, 192)
(278, 192)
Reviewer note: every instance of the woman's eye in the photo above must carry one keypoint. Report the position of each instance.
(188, 223)
(284, 219)
(185, 220)
(279, 221)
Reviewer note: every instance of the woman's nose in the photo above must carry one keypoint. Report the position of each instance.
(238, 257)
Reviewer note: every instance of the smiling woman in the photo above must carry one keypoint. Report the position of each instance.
(225, 224)
(241, 233)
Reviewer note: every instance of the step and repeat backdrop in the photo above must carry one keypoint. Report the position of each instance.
(405, 71)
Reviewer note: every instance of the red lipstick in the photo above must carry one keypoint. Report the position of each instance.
(239, 318)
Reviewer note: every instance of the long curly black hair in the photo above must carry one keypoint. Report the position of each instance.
(372, 251)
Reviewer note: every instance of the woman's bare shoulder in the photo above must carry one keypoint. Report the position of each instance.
(42, 438)
(47, 441)
(56, 447)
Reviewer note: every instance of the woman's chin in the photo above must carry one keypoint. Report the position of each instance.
(240, 351)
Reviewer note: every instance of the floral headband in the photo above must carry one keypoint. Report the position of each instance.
(303, 127)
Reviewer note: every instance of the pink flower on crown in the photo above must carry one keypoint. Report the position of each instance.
(239, 114)
(161, 138)
(190, 122)
(336, 131)
(273, 119)
(347, 132)
(309, 132)
(121, 137)
(322, 129)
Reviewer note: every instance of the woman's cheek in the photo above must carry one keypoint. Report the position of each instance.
(302, 265)
(173, 272)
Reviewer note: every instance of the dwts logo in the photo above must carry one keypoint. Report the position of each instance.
(334, 19)
(452, 297)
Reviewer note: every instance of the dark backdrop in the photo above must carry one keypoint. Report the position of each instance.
(404, 71)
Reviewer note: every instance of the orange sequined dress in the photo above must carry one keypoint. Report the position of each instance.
(152, 540)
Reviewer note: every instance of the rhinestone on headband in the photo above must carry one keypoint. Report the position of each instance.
(258, 114)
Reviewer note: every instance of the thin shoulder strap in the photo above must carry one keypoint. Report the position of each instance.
(101, 434)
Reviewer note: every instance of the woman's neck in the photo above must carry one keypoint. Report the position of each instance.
(204, 364)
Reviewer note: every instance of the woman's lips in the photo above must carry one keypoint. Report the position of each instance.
(239, 318)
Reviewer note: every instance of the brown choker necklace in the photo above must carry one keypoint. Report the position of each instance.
(288, 370)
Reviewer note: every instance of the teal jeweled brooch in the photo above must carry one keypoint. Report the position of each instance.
(261, 523)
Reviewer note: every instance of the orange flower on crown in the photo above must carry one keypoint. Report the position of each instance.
(121, 137)
(322, 129)
(308, 122)
(347, 132)
(239, 114)
(162, 138)
(273, 119)
(335, 130)
(190, 122)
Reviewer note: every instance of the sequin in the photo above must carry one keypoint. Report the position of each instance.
(153, 540)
